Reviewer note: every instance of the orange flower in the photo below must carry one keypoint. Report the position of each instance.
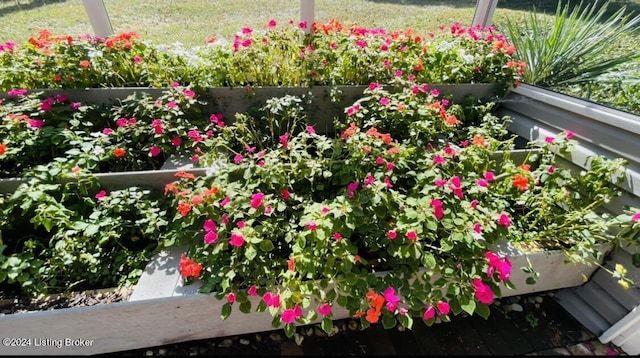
(211, 192)
(184, 208)
(350, 131)
(3, 149)
(373, 315)
(171, 187)
(119, 152)
(189, 268)
(479, 141)
(185, 175)
(521, 182)
(525, 167)
(451, 120)
(291, 264)
(85, 64)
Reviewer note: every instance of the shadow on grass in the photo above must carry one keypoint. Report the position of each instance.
(8, 7)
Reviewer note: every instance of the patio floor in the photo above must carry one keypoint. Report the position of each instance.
(534, 324)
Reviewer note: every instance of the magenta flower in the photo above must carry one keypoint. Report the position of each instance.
(429, 313)
(107, 131)
(285, 194)
(379, 160)
(568, 134)
(311, 130)
(474, 203)
(256, 200)
(210, 237)
(225, 201)
(392, 299)
(443, 308)
(504, 220)
(636, 217)
(337, 236)
(271, 300)
(392, 234)
(390, 167)
(439, 160)
(101, 195)
(483, 291)
(155, 151)
(440, 182)
(236, 240)
(17, 92)
(477, 228)
(437, 208)
(36, 123)
(291, 314)
(489, 176)
(385, 101)
(370, 179)
(284, 140)
(311, 225)
(482, 183)
(176, 141)
(231, 297)
(412, 235)
(252, 291)
(324, 309)
(209, 225)
(549, 139)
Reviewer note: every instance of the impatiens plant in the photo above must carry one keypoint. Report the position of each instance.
(389, 228)
(139, 132)
(276, 55)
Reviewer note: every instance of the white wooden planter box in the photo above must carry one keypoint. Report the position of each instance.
(162, 311)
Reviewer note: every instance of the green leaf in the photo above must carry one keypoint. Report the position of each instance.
(327, 325)
(428, 260)
(388, 321)
(483, 311)
(468, 305)
(226, 311)
(266, 245)
(250, 253)
(245, 307)
(289, 330)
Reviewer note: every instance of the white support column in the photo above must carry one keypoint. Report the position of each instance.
(484, 12)
(307, 13)
(98, 17)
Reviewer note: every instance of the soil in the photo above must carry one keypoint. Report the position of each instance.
(11, 303)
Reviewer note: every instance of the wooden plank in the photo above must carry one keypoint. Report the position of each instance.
(98, 17)
(404, 342)
(379, 341)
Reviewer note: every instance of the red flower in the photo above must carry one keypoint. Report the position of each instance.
(119, 152)
(189, 268)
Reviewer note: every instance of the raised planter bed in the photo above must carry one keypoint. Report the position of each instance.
(162, 311)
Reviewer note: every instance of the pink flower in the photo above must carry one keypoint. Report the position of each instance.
(474, 203)
(549, 139)
(369, 180)
(107, 131)
(155, 151)
(210, 237)
(385, 101)
(189, 93)
(439, 160)
(36, 123)
(236, 240)
(443, 308)
(568, 134)
(483, 291)
(310, 130)
(440, 182)
(17, 92)
(231, 297)
(252, 291)
(337, 236)
(504, 220)
(392, 234)
(209, 225)
(482, 183)
(137, 59)
(489, 176)
(411, 235)
(291, 314)
(636, 217)
(225, 201)
(551, 169)
(311, 225)
(353, 186)
(429, 313)
(477, 228)
(176, 141)
(379, 160)
(271, 300)
(390, 166)
(437, 208)
(284, 140)
(256, 200)
(101, 195)
(324, 309)
(285, 194)
(391, 298)
(241, 224)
